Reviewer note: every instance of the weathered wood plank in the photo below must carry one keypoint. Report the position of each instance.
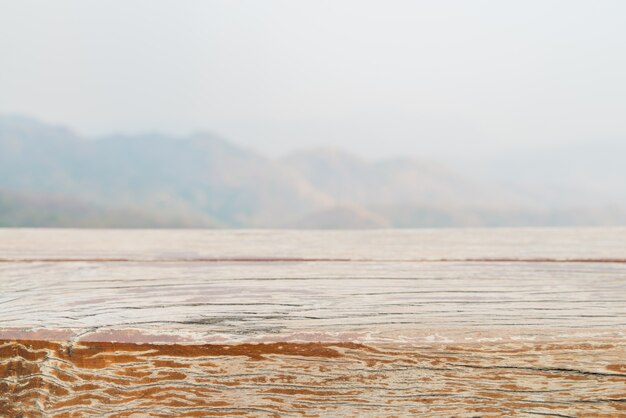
(261, 323)
(376, 245)
(247, 301)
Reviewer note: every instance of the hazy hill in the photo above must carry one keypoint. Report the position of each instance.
(200, 173)
(399, 181)
(19, 209)
(50, 176)
(346, 216)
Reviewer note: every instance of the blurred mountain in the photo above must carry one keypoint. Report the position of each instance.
(50, 176)
(460, 216)
(23, 210)
(399, 181)
(200, 173)
(342, 216)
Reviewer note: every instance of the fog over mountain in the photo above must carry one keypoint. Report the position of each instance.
(50, 176)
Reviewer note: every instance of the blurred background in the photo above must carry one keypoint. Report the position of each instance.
(312, 114)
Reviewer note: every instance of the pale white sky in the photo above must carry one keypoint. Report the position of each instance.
(422, 78)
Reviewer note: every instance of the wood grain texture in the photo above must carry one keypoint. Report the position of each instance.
(313, 379)
(262, 323)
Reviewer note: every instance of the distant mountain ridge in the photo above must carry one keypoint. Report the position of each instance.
(50, 176)
(399, 181)
(24, 210)
(200, 173)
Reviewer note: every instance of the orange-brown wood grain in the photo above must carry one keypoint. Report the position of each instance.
(313, 379)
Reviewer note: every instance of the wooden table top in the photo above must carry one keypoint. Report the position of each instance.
(313, 323)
